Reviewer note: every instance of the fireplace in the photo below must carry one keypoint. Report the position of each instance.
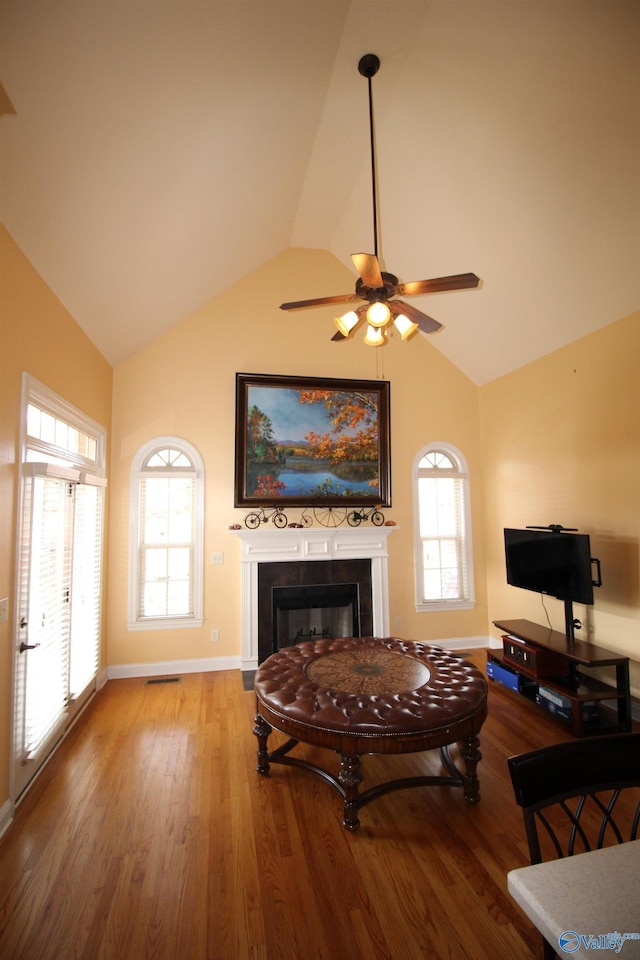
(317, 555)
(306, 601)
(319, 612)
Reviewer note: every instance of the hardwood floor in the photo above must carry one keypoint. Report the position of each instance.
(150, 835)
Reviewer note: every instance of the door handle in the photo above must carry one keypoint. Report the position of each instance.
(27, 646)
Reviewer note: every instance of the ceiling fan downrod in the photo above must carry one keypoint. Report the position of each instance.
(368, 66)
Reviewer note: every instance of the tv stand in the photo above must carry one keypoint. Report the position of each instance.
(573, 685)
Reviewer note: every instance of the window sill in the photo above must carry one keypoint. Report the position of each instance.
(439, 605)
(166, 623)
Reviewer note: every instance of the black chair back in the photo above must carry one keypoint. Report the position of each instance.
(584, 781)
(577, 796)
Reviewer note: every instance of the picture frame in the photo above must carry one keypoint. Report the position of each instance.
(308, 441)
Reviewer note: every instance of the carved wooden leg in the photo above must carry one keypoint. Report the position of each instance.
(350, 777)
(262, 731)
(471, 756)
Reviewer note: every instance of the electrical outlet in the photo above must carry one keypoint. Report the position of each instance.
(215, 558)
(397, 622)
(215, 635)
(4, 610)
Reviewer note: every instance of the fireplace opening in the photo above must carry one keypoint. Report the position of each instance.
(342, 586)
(314, 612)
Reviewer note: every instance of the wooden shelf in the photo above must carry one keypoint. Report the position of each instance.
(578, 650)
(577, 688)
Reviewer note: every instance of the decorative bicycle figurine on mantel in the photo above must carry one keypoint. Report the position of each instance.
(329, 516)
(262, 515)
(325, 515)
(332, 516)
(355, 517)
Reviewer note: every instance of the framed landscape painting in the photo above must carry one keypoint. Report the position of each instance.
(311, 440)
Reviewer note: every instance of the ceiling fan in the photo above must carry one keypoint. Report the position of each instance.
(374, 286)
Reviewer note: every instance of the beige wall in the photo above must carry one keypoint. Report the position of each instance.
(561, 444)
(39, 336)
(184, 383)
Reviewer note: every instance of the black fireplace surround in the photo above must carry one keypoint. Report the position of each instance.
(332, 585)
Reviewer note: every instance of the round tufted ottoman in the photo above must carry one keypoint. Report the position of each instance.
(358, 695)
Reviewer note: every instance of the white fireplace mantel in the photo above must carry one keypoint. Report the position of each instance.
(309, 544)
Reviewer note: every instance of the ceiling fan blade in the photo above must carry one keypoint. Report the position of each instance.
(318, 301)
(426, 324)
(460, 281)
(338, 336)
(369, 269)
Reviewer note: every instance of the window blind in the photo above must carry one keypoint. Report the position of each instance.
(60, 597)
(45, 589)
(86, 586)
(166, 547)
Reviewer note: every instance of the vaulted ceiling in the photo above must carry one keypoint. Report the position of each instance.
(155, 152)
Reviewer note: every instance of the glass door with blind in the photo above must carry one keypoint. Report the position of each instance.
(59, 596)
(42, 655)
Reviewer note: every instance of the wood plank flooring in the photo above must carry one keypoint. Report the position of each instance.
(150, 835)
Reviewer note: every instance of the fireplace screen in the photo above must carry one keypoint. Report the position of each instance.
(314, 612)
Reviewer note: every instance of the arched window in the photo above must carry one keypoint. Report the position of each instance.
(166, 536)
(442, 529)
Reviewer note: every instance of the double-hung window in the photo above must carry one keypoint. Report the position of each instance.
(442, 529)
(166, 536)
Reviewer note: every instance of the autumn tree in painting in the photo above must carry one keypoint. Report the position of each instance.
(354, 426)
(268, 486)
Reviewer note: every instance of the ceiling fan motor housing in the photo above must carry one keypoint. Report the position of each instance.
(378, 293)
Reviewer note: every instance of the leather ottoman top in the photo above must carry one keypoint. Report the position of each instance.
(367, 686)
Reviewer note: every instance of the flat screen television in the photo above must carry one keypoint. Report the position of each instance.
(551, 562)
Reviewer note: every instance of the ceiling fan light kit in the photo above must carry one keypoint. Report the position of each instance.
(374, 336)
(378, 314)
(376, 287)
(346, 323)
(404, 326)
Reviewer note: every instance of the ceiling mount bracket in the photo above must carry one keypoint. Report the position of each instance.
(369, 65)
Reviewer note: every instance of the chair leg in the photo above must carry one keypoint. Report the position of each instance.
(548, 952)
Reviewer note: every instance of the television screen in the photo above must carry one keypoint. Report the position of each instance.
(546, 561)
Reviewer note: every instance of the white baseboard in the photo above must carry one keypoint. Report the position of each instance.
(204, 665)
(171, 667)
(6, 816)
(467, 643)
